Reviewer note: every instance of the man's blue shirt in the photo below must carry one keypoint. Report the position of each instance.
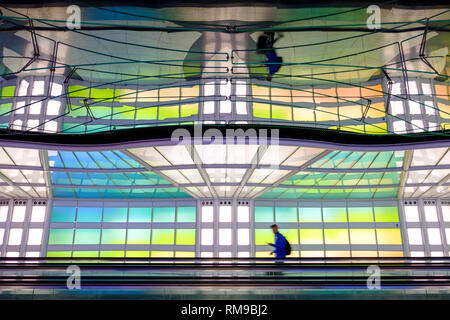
(279, 245)
(272, 63)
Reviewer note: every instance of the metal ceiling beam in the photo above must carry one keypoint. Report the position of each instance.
(300, 168)
(197, 161)
(405, 172)
(150, 168)
(43, 157)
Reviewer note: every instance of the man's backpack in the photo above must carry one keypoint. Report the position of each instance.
(287, 247)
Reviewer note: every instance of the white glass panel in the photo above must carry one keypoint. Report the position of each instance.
(240, 153)
(35, 107)
(225, 106)
(208, 107)
(422, 157)
(224, 254)
(241, 107)
(192, 174)
(19, 213)
(56, 89)
(26, 157)
(415, 236)
(302, 155)
(399, 126)
(412, 87)
(206, 254)
(225, 237)
(209, 88)
(430, 213)
(396, 88)
(430, 109)
(274, 155)
(437, 253)
(2, 234)
(207, 214)
(19, 107)
(35, 236)
(243, 214)
(447, 235)
(38, 214)
(225, 88)
(207, 237)
(446, 213)
(417, 125)
(151, 156)
(3, 213)
(225, 214)
(15, 236)
(32, 254)
(243, 237)
(243, 254)
(397, 107)
(418, 254)
(23, 88)
(212, 153)
(176, 154)
(51, 126)
(414, 107)
(175, 175)
(412, 214)
(426, 89)
(241, 88)
(53, 107)
(12, 254)
(434, 236)
(38, 88)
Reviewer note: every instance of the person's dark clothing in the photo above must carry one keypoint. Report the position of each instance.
(279, 245)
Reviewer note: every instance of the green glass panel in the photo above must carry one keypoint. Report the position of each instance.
(87, 236)
(75, 112)
(138, 254)
(123, 112)
(186, 214)
(362, 214)
(101, 112)
(138, 236)
(112, 254)
(63, 214)
(286, 214)
(164, 214)
(59, 254)
(336, 236)
(149, 113)
(310, 214)
(79, 91)
(89, 214)
(113, 236)
(163, 236)
(291, 235)
(7, 92)
(261, 110)
(85, 254)
(5, 108)
(60, 236)
(334, 215)
(386, 214)
(102, 94)
(185, 236)
(281, 112)
(264, 236)
(115, 215)
(188, 110)
(140, 215)
(264, 214)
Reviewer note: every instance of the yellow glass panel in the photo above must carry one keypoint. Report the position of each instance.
(148, 113)
(389, 236)
(444, 110)
(188, 110)
(261, 110)
(362, 236)
(169, 94)
(123, 112)
(364, 254)
(291, 235)
(390, 253)
(294, 254)
(184, 254)
(376, 110)
(283, 95)
(360, 214)
(169, 112)
(263, 254)
(311, 236)
(281, 112)
(138, 254)
(376, 128)
(327, 114)
(442, 91)
(303, 114)
(162, 254)
(263, 236)
(311, 254)
(350, 112)
(148, 96)
(302, 96)
(190, 92)
(337, 253)
(336, 236)
(260, 92)
(125, 95)
(445, 126)
(112, 254)
(375, 91)
(85, 254)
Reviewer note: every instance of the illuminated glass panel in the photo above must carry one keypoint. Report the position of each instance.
(415, 236)
(334, 214)
(386, 214)
(389, 236)
(163, 236)
(263, 236)
(185, 237)
(89, 214)
(362, 236)
(286, 214)
(164, 214)
(310, 215)
(336, 236)
(264, 214)
(115, 214)
(87, 236)
(412, 214)
(186, 214)
(291, 235)
(434, 236)
(362, 214)
(138, 236)
(113, 236)
(311, 236)
(140, 215)
(161, 254)
(112, 254)
(60, 236)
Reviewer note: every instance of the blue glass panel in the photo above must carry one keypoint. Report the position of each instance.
(64, 193)
(164, 214)
(89, 214)
(69, 160)
(63, 214)
(86, 160)
(115, 214)
(186, 214)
